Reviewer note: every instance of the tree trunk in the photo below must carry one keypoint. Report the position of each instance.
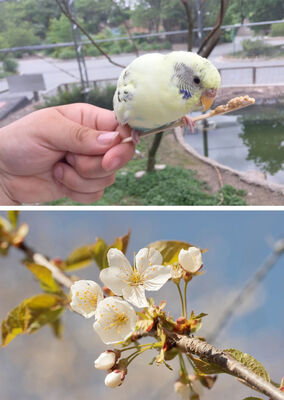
(153, 150)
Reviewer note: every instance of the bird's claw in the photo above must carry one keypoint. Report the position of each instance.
(187, 121)
(135, 136)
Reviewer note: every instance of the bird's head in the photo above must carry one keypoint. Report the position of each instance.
(196, 78)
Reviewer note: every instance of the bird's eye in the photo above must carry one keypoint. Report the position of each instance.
(196, 80)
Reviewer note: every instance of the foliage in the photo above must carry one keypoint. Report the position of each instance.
(255, 48)
(31, 315)
(277, 29)
(101, 97)
(250, 362)
(59, 30)
(10, 65)
(172, 186)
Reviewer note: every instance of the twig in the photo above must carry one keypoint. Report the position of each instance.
(210, 41)
(72, 19)
(56, 272)
(229, 364)
(180, 122)
(189, 24)
(37, 258)
(227, 315)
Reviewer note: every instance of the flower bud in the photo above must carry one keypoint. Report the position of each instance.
(106, 360)
(191, 259)
(182, 389)
(114, 378)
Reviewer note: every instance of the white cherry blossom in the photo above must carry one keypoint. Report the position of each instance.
(148, 273)
(191, 259)
(115, 320)
(85, 297)
(114, 378)
(106, 360)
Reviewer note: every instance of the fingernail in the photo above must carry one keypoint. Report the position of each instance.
(71, 159)
(58, 173)
(107, 137)
(114, 164)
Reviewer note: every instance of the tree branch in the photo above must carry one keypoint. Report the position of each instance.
(210, 41)
(66, 12)
(189, 24)
(212, 354)
(37, 258)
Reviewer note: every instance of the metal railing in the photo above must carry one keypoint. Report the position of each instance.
(140, 36)
(254, 70)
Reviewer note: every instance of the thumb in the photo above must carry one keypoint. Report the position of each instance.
(70, 136)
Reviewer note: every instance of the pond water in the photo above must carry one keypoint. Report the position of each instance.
(249, 139)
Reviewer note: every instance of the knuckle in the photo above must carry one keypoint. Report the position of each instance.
(110, 180)
(81, 134)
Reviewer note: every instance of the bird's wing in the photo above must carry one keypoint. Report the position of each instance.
(122, 100)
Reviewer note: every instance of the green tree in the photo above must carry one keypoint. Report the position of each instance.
(20, 35)
(59, 30)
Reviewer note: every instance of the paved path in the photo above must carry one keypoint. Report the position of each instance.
(56, 72)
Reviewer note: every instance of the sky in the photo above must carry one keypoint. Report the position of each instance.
(238, 242)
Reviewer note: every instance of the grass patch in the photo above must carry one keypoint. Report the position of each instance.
(171, 186)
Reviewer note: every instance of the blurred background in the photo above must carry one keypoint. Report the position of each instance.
(41, 367)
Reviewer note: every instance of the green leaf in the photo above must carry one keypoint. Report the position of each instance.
(57, 328)
(83, 256)
(79, 258)
(99, 253)
(100, 249)
(206, 368)
(45, 278)
(250, 362)
(170, 249)
(31, 315)
(13, 217)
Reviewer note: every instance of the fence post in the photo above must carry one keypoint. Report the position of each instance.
(253, 75)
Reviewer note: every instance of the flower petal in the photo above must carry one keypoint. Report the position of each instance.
(114, 278)
(135, 295)
(116, 320)
(85, 296)
(191, 259)
(116, 258)
(147, 257)
(156, 277)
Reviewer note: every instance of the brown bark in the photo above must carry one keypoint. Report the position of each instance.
(188, 12)
(210, 41)
(229, 364)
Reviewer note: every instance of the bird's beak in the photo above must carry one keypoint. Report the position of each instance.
(207, 98)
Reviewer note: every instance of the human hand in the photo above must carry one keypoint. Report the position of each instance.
(72, 150)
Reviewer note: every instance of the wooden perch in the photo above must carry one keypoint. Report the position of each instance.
(229, 364)
(234, 104)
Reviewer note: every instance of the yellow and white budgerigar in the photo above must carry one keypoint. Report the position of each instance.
(156, 90)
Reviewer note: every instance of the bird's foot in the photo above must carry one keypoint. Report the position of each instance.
(135, 136)
(187, 121)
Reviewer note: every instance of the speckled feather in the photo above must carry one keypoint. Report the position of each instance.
(157, 89)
